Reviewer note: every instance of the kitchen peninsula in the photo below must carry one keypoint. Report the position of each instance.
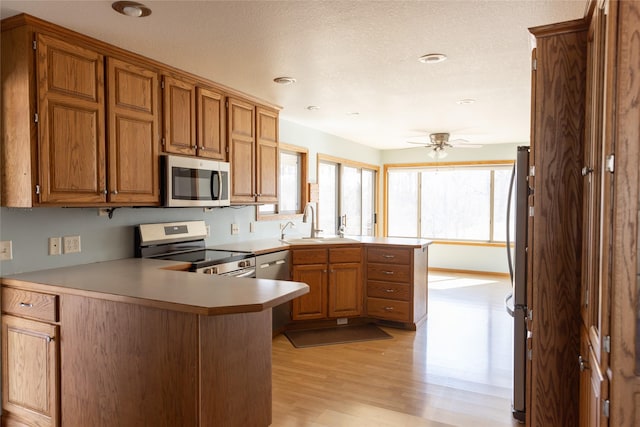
(140, 342)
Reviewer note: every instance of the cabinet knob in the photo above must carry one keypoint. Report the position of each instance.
(48, 338)
(105, 191)
(202, 148)
(582, 363)
(114, 192)
(586, 170)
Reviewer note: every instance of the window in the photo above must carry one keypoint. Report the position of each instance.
(347, 196)
(453, 202)
(292, 184)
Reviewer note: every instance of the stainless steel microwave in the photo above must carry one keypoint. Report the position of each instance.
(190, 181)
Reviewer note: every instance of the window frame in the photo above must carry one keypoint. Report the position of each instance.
(433, 165)
(304, 196)
(340, 162)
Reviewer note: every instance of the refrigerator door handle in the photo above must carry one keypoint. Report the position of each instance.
(508, 306)
(509, 198)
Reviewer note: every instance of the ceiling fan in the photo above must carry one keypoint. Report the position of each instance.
(439, 141)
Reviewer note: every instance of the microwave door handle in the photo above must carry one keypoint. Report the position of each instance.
(219, 185)
(213, 190)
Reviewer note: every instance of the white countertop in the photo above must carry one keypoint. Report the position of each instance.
(148, 282)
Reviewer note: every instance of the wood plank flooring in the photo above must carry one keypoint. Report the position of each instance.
(456, 370)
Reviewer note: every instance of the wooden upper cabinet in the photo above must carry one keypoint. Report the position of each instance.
(267, 170)
(71, 143)
(241, 135)
(179, 100)
(211, 127)
(133, 117)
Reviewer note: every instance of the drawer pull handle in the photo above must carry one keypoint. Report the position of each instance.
(388, 272)
(389, 291)
(388, 309)
(388, 256)
(26, 304)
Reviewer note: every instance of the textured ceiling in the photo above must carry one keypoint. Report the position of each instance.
(347, 56)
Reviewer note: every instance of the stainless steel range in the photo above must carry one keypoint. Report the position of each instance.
(184, 241)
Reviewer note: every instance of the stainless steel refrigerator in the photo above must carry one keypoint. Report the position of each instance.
(516, 301)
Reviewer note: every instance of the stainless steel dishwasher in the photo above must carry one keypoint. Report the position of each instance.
(276, 266)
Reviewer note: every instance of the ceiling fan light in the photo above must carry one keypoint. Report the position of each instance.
(437, 153)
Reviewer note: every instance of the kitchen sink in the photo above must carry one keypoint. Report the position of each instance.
(319, 240)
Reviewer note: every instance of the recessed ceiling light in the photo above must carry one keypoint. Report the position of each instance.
(466, 101)
(131, 8)
(313, 107)
(284, 80)
(432, 58)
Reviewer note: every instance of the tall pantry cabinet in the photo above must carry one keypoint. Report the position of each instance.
(555, 224)
(621, 213)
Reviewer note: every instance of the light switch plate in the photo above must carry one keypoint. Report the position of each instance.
(55, 245)
(6, 250)
(235, 229)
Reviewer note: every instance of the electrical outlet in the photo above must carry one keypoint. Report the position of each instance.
(6, 250)
(71, 244)
(55, 244)
(342, 320)
(235, 229)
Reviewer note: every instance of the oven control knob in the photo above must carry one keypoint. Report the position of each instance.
(243, 264)
(211, 270)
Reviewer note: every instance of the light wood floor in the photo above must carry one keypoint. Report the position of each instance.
(456, 370)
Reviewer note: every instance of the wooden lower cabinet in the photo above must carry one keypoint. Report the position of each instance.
(30, 359)
(397, 284)
(30, 368)
(112, 363)
(334, 276)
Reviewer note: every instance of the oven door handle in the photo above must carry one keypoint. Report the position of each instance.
(249, 273)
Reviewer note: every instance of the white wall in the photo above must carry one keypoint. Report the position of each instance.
(108, 239)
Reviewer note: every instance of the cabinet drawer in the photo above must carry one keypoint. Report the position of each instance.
(396, 291)
(389, 309)
(339, 255)
(389, 273)
(389, 255)
(310, 256)
(30, 304)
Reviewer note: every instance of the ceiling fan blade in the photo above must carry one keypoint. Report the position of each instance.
(420, 141)
(466, 146)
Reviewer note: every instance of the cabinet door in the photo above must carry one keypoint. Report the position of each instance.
(345, 290)
(71, 150)
(211, 139)
(314, 304)
(241, 132)
(30, 371)
(267, 171)
(133, 134)
(179, 98)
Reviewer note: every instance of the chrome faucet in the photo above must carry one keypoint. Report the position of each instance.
(305, 218)
(282, 230)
